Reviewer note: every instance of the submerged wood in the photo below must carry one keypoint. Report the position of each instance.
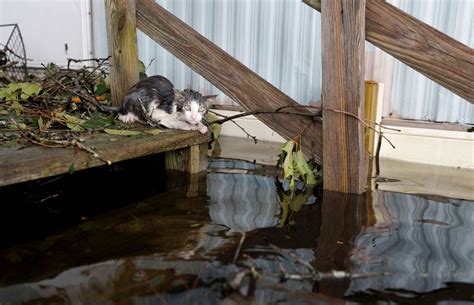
(434, 54)
(18, 165)
(226, 73)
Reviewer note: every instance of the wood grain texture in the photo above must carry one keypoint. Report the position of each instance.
(18, 165)
(226, 73)
(434, 54)
(191, 159)
(122, 43)
(343, 35)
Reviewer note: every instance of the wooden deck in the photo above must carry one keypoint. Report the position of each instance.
(185, 150)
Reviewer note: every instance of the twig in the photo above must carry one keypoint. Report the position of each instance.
(149, 64)
(7, 65)
(90, 100)
(233, 117)
(99, 61)
(312, 115)
(254, 138)
(31, 137)
(237, 252)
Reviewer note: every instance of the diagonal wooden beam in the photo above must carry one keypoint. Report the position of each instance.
(226, 73)
(434, 54)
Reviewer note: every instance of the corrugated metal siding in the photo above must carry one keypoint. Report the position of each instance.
(280, 40)
(416, 97)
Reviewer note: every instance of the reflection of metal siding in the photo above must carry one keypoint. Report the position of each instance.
(280, 40)
(242, 202)
(427, 244)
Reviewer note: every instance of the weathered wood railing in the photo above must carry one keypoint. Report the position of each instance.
(441, 58)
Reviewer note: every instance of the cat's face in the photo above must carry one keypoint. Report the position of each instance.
(193, 105)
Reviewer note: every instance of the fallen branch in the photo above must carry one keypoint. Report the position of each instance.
(254, 138)
(315, 116)
(50, 143)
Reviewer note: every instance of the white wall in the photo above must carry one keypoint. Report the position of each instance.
(47, 26)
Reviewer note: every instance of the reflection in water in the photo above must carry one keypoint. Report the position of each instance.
(174, 249)
(242, 202)
(422, 243)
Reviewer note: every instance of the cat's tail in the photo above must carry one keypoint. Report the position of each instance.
(111, 109)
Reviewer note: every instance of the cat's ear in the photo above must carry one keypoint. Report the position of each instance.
(178, 98)
(178, 95)
(209, 99)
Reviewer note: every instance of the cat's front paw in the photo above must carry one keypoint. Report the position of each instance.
(201, 128)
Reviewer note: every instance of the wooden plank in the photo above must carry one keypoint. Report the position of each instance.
(122, 43)
(18, 165)
(226, 73)
(434, 54)
(344, 158)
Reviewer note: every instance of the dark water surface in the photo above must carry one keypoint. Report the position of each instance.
(225, 238)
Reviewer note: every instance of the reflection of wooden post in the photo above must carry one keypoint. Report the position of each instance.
(122, 42)
(343, 38)
(342, 218)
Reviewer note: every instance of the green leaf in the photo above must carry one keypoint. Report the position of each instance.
(101, 88)
(72, 122)
(154, 131)
(98, 120)
(289, 146)
(288, 170)
(40, 123)
(214, 128)
(72, 168)
(305, 172)
(141, 70)
(122, 132)
(3, 93)
(29, 89)
(17, 107)
(216, 149)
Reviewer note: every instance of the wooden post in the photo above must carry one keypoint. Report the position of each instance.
(190, 159)
(122, 42)
(343, 38)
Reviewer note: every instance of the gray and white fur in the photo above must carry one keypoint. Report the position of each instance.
(155, 99)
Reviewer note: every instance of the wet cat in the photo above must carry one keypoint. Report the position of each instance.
(156, 101)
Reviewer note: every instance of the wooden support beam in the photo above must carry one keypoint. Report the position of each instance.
(122, 42)
(226, 73)
(343, 35)
(191, 159)
(434, 54)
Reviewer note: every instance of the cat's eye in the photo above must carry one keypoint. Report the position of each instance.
(187, 107)
(201, 109)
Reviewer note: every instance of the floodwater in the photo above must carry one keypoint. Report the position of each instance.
(224, 238)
